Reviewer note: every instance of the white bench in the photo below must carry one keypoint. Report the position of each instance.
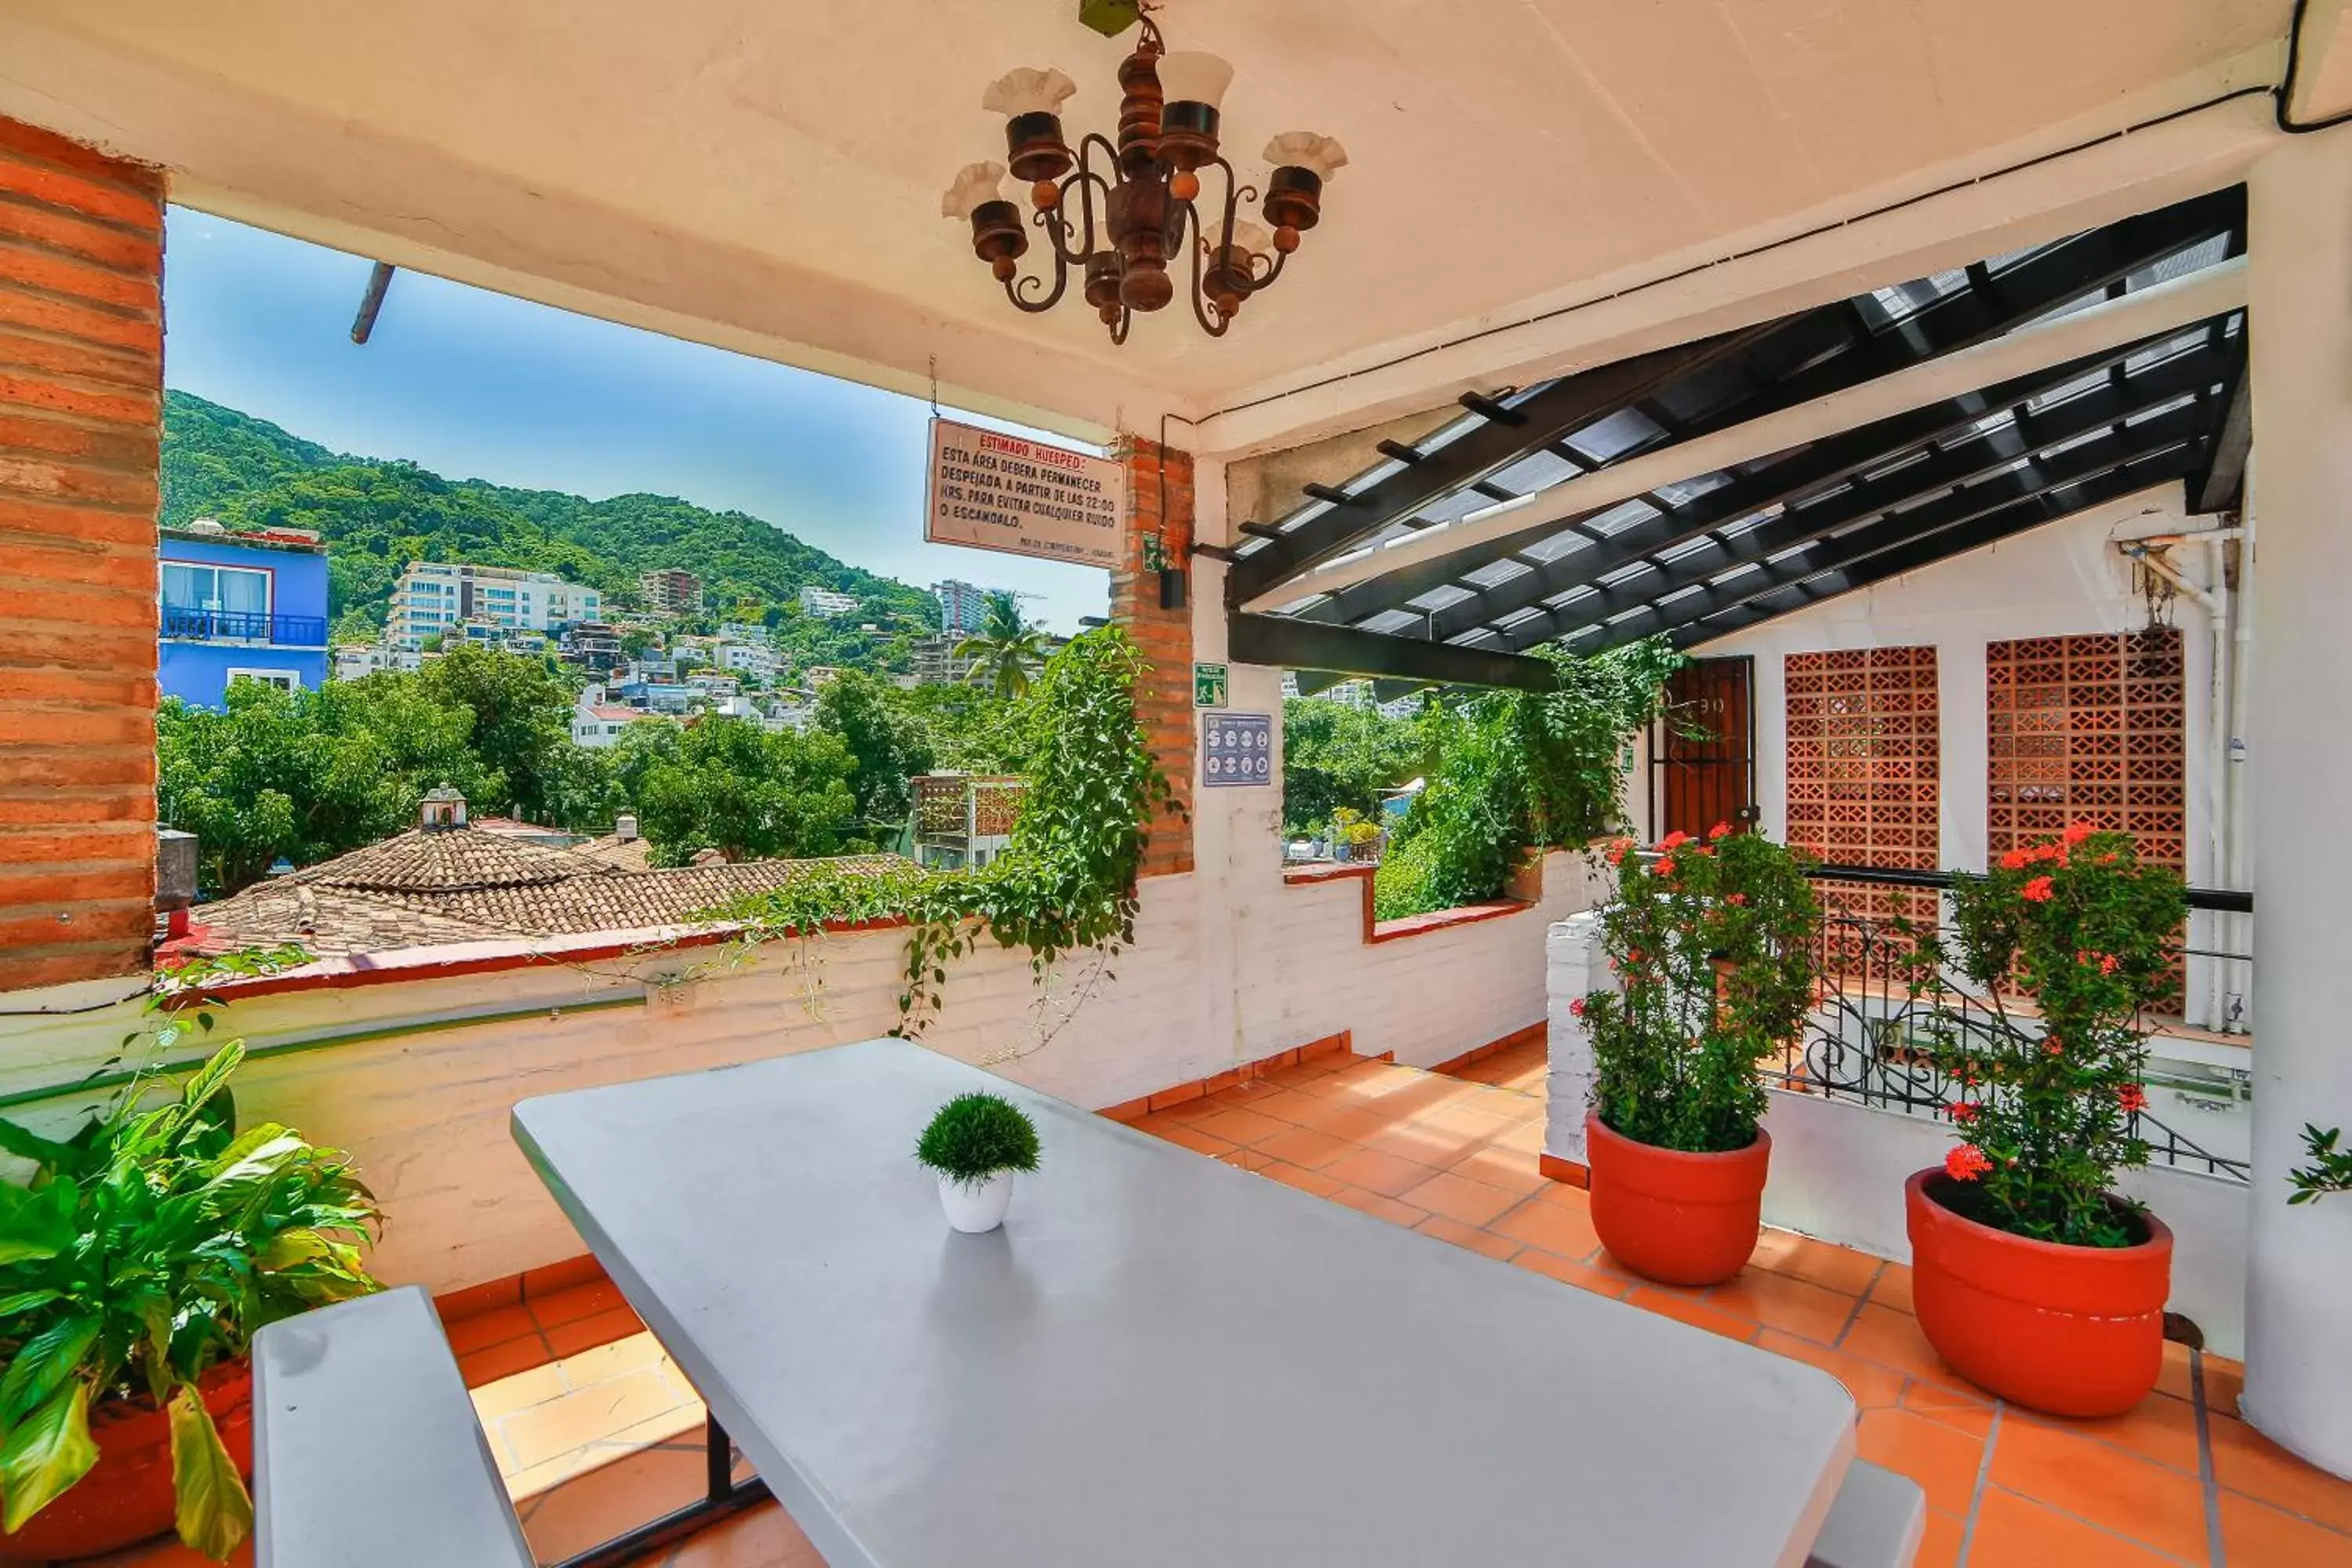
(1875, 1521)
(366, 1451)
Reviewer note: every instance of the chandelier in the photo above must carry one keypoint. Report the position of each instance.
(1120, 215)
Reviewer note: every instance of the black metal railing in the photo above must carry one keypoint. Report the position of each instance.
(1870, 1040)
(243, 625)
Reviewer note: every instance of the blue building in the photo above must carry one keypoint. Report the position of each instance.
(240, 607)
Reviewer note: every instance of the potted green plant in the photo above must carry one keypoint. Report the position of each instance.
(974, 1145)
(135, 1266)
(1711, 943)
(2030, 1275)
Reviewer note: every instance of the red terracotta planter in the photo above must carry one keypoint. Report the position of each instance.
(2072, 1331)
(128, 1496)
(1683, 1219)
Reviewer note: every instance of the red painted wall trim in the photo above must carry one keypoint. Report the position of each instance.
(1379, 930)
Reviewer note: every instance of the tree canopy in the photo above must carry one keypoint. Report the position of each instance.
(733, 787)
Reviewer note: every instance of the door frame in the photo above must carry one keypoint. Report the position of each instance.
(1660, 761)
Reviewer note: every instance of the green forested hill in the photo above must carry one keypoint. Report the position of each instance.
(376, 515)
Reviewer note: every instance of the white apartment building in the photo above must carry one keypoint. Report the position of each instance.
(434, 598)
(747, 658)
(825, 604)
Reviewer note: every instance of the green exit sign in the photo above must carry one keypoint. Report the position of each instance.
(1110, 17)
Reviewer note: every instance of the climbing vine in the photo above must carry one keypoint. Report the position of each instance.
(1066, 880)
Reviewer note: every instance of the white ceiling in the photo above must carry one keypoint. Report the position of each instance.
(1502, 151)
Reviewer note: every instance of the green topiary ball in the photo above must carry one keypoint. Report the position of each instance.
(974, 1136)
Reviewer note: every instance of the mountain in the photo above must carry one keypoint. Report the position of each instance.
(377, 514)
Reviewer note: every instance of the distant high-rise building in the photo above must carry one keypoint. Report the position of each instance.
(825, 604)
(437, 598)
(673, 590)
(936, 663)
(963, 607)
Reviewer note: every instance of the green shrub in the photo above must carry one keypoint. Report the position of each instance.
(974, 1136)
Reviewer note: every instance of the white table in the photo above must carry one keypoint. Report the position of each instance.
(1160, 1361)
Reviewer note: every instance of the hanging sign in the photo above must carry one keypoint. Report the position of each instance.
(1237, 749)
(1208, 686)
(995, 492)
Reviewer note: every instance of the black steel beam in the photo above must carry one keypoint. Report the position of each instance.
(1304, 645)
(1962, 470)
(2220, 485)
(1854, 560)
(1780, 481)
(1817, 351)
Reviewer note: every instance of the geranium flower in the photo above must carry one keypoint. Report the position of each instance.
(2037, 891)
(1617, 851)
(2053, 1046)
(1576, 1008)
(2014, 860)
(2078, 831)
(1965, 1162)
(1737, 899)
(1674, 840)
(2132, 1097)
(1720, 830)
(1964, 1113)
(1665, 867)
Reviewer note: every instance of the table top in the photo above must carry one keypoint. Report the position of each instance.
(1159, 1360)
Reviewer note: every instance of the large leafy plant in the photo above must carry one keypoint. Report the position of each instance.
(1712, 942)
(145, 1251)
(2047, 1106)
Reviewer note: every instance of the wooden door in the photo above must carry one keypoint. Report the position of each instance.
(1702, 753)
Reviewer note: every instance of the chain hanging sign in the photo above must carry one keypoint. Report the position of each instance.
(995, 492)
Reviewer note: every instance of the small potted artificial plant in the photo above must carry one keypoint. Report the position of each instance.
(135, 1268)
(1712, 946)
(974, 1145)
(2030, 1276)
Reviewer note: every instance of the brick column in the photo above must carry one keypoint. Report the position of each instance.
(82, 346)
(1163, 699)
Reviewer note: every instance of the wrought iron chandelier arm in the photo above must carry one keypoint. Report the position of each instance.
(1213, 321)
(1019, 288)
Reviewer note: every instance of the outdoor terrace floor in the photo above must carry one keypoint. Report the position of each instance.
(596, 1430)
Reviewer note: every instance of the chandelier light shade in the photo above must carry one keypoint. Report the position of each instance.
(1122, 214)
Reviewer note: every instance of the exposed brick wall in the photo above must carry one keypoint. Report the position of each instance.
(1164, 699)
(81, 347)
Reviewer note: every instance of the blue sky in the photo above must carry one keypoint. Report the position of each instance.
(477, 386)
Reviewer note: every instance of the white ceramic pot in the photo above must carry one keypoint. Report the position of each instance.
(976, 1206)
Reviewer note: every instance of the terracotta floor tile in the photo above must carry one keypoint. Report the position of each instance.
(2161, 1429)
(1186, 1136)
(761, 1537)
(1457, 1197)
(604, 1362)
(1892, 1287)
(1419, 1145)
(1236, 1125)
(2225, 1380)
(2148, 1502)
(1506, 1168)
(1388, 1174)
(1951, 1406)
(1556, 1227)
(495, 1327)
(2015, 1533)
(1816, 1262)
(2173, 1379)
(2246, 1461)
(1288, 1105)
(1562, 1195)
(2256, 1534)
(1304, 1146)
(611, 1499)
(1944, 1461)
(506, 1359)
(1381, 1206)
(1599, 1281)
(1246, 1159)
(1893, 1339)
(587, 1333)
(535, 1385)
(570, 1306)
(1191, 1109)
(1779, 1301)
(1698, 1314)
(1939, 1543)
(1470, 1121)
(1468, 1235)
(1352, 1122)
(550, 1277)
(1322, 1183)
(545, 1431)
(1873, 1387)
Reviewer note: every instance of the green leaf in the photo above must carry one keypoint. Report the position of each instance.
(215, 1512)
(34, 1224)
(25, 1301)
(46, 1453)
(48, 1154)
(42, 1367)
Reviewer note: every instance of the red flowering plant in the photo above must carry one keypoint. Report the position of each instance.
(2045, 1114)
(1712, 944)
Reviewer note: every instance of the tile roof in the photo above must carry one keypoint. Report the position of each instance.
(428, 886)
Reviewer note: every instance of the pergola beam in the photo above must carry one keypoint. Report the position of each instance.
(1306, 645)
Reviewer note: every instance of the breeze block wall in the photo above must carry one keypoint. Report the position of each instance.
(1163, 700)
(81, 354)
